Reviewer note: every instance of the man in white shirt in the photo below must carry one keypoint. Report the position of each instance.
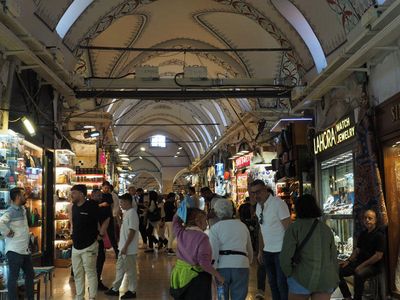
(274, 218)
(14, 227)
(128, 249)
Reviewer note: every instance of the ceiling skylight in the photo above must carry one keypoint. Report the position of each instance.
(73, 12)
(299, 22)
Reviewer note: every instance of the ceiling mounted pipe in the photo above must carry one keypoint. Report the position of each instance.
(183, 95)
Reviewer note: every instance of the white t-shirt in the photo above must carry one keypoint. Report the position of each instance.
(130, 220)
(275, 210)
(230, 235)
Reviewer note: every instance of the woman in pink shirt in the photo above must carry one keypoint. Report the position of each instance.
(192, 275)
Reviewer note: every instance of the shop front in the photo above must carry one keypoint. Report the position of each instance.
(21, 165)
(242, 169)
(334, 151)
(388, 125)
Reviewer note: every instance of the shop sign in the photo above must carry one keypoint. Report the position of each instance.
(243, 161)
(340, 132)
(395, 112)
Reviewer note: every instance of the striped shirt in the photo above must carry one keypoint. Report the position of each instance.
(15, 219)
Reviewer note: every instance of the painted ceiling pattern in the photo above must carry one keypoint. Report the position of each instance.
(198, 24)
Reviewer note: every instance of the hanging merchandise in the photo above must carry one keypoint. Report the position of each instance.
(220, 182)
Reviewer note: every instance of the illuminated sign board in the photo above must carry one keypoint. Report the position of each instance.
(340, 132)
(243, 161)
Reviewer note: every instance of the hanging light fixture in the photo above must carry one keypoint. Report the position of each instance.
(28, 125)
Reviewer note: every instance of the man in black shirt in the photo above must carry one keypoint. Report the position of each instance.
(105, 214)
(85, 234)
(366, 259)
(108, 201)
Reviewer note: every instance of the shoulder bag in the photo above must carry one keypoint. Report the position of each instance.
(296, 258)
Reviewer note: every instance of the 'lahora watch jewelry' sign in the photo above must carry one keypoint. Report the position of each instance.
(338, 133)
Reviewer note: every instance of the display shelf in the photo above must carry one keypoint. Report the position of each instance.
(65, 172)
(337, 194)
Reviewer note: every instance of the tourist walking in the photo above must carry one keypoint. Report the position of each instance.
(104, 217)
(85, 236)
(108, 198)
(128, 249)
(274, 217)
(232, 251)
(192, 275)
(170, 209)
(308, 256)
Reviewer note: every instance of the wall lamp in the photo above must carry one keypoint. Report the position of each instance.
(28, 125)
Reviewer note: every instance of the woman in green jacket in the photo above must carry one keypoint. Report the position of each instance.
(316, 274)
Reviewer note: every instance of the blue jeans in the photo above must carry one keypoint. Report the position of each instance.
(16, 262)
(236, 282)
(276, 278)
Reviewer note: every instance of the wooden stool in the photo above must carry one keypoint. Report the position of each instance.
(375, 287)
(48, 274)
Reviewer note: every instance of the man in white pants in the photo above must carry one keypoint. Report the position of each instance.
(85, 236)
(128, 249)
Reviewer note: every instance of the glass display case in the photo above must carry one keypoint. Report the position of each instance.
(65, 171)
(30, 177)
(10, 144)
(337, 178)
(21, 166)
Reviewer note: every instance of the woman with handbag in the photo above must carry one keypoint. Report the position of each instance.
(308, 256)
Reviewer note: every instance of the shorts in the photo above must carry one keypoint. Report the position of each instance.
(297, 288)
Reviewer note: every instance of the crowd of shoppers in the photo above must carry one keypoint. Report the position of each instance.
(299, 258)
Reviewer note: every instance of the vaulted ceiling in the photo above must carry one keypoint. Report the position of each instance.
(197, 24)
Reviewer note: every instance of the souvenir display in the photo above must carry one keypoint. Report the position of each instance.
(65, 173)
(20, 166)
(91, 177)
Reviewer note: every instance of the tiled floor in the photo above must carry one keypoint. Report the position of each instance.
(153, 279)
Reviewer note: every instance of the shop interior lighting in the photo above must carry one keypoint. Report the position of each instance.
(118, 150)
(142, 149)
(123, 155)
(88, 127)
(28, 125)
(125, 158)
(91, 134)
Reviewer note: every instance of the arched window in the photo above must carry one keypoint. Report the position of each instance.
(299, 22)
